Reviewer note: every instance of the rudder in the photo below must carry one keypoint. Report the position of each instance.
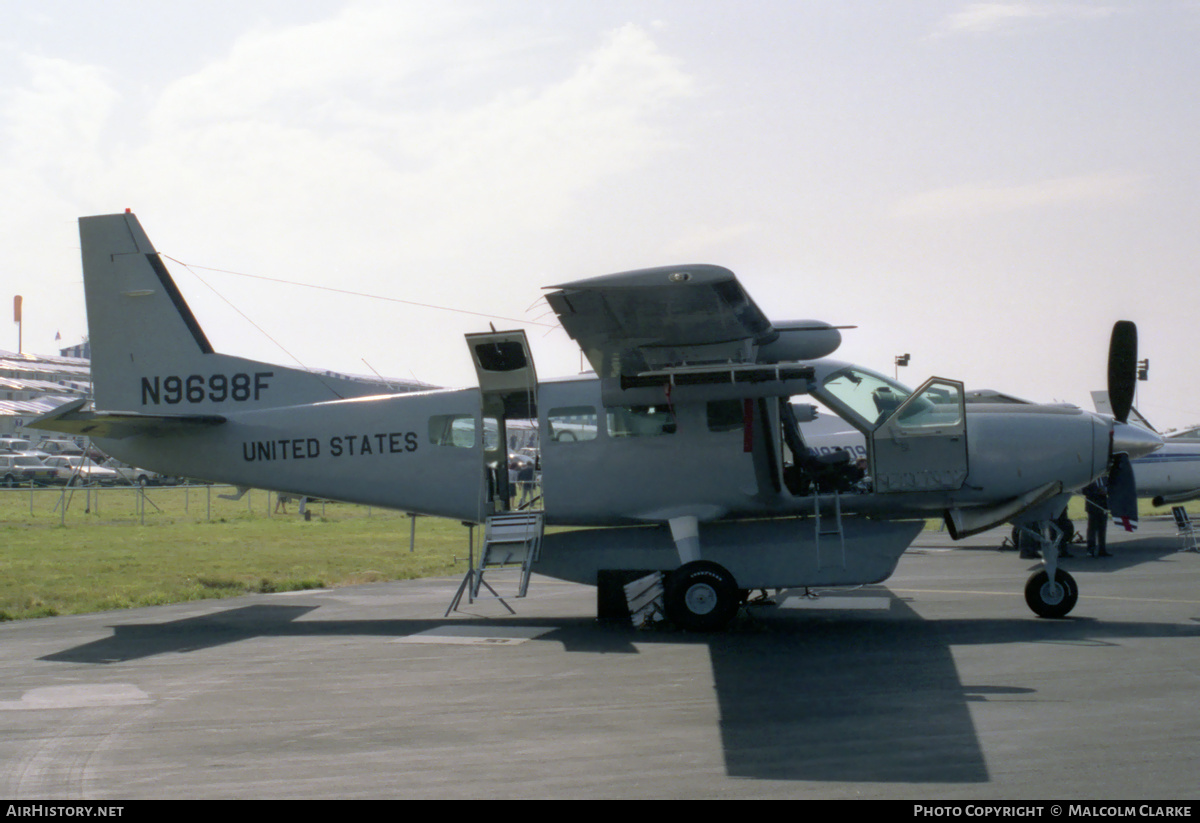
(149, 353)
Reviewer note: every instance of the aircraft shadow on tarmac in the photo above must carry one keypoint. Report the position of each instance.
(1127, 553)
(870, 697)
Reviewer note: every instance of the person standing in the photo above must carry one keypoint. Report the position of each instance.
(1095, 494)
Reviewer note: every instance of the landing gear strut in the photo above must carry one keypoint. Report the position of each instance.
(701, 596)
(1050, 592)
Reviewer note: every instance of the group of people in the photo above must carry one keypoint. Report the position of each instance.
(522, 474)
(1095, 496)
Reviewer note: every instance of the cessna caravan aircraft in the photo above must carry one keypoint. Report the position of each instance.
(682, 454)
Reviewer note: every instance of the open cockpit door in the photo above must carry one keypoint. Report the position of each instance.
(922, 445)
(508, 392)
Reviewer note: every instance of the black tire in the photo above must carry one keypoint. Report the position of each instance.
(701, 596)
(10, 480)
(1045, 600)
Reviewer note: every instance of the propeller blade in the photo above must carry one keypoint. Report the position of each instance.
(1122, 493)
(1122, 368)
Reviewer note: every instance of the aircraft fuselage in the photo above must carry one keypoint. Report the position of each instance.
(424, 452)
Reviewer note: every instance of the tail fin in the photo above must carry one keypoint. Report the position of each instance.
(1104, 406)
(149, 353)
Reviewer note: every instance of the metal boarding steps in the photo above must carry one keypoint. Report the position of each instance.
(830, 526)
(511, 543)
(1187, 532)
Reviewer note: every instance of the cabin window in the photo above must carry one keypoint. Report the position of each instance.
(452, 430)
(570, 424)
(640, 421)
(726, 415)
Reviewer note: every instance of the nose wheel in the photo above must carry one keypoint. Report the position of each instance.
(1051, 599)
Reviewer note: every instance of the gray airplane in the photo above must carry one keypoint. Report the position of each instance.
(682, 454)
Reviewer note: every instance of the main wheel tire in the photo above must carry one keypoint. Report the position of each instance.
(1051, 601)
(701, 596)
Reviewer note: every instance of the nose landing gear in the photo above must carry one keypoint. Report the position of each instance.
(1051, 599)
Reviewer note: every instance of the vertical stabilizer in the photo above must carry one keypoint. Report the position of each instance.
(149, 354)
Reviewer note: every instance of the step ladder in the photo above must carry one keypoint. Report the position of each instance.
(1187, 532)
(511, 543)
(829, 527)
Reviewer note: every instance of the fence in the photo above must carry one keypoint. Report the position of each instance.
(147, 505)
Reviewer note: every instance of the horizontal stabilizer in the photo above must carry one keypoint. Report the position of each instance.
(71, 419)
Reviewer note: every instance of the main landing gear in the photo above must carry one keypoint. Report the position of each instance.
(701, 596)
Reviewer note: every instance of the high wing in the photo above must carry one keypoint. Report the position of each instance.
(678, 317)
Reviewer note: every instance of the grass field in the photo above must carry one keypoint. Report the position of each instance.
(107, 550)
(189, 544)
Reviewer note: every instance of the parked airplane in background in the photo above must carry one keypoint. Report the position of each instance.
(1171, 474)
(683, 451)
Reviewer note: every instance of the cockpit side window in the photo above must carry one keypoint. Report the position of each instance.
(938, 407)
(865, 394)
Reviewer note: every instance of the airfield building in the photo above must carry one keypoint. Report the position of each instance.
(33, 384)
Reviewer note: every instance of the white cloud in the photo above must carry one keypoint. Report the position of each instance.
(1101, 188)
(706, 240)
(393, 161)
(405, 151)
(987, 18)
(55, 122)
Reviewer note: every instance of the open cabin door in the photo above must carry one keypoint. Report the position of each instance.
(922, 445)
(508, 392)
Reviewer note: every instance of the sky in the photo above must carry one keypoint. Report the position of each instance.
(985, 186)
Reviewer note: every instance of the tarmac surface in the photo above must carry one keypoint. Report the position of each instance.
(953, 690)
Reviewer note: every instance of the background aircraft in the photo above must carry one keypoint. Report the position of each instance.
(1171, 474)
(685, 455)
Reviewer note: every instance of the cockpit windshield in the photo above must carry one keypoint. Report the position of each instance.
(865, 394)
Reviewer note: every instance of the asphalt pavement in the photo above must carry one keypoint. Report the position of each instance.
(938, 684)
